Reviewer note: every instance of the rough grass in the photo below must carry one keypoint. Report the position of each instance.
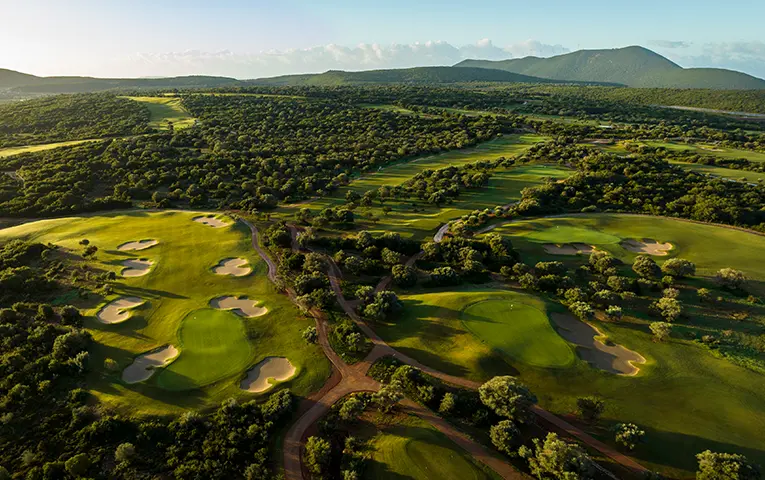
(214, 346)
(410, 448)
(165, 111)
(729, 173)
(180, 282)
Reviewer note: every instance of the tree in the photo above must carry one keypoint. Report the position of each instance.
(508, 398)
(354, 341)
(725, 466)
(352, 408)
(646, 267)
(669, 308)
(730, 278)
(614, 313)
(310, 334)
(404, 275)
(314, 262)
(555, 459)
(388, 396)
(390, 257)
(660, 330)
(506, 437)
(705, 295)
(78, 465)
(124, 452)
(90, 251)
(678, 267)
(590, 408)
(628, 434)
(448, 404)
(4, 475)
(317, 454)
(582, 310)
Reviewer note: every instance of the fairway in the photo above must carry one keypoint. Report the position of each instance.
(165, 111)
(727, 173)
(214, 346)
(7, 152)
(179, 286)
(517, 327)
(414, 450)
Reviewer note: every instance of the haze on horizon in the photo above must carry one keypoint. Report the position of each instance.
(249, 39)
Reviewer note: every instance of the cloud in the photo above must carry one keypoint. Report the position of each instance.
(364, 56)
(670, 43)
(747, 57)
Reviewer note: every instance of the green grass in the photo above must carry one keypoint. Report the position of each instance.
(166, 110)
(517, 325)
(560, 234)
(714, 150)
(729, 173)
(412, 449)
(7, 152)
(180, 282)
(214, 345)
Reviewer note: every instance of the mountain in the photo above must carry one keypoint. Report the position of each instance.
(12, 78)
(417, 75)
(632, 66)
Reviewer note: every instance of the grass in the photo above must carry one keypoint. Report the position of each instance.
(728, 173)
(7, 152)
(715, 150)
(180, 283)
(165, 111)
(517, 325)
(409, 448)
(214, 345)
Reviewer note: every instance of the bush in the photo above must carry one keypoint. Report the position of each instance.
(660, 330)
(124, 452)
(448, 404)
(730, 278)
(310, 334)
(590, 408)
(78, 465)
(725, 466)
(506, 437)
(628, 434)
(614, 313)
(582, 310)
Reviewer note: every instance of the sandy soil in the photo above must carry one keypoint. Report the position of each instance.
(611, 358)
(143, 366)
(211, 221)
(232, 266)
(569, 248)
(647, 246)
(265, 374)
(136, 268)
(118, 310)
(137, 245)
(242, 306)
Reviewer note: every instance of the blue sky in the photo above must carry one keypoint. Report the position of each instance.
(160, 37)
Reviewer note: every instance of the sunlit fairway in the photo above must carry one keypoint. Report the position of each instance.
(217, 347)
(165, 111)
(710, 149)
(7, 152)
(729, 173)
(412, 449)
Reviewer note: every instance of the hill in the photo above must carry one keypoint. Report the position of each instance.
(421, 75)
(12, 78)
(632, 66)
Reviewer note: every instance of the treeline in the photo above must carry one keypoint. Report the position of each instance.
(70, 117)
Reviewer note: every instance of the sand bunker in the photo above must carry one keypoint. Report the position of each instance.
(611, 358)
(211, 221)
(569, 248)
(232, 266)
(242, 306)
(647, 246)
(136, 268)
(267, 373)
(143, 366)
(118, 311)
(137, 245)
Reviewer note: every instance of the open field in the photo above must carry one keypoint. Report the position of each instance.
(218, 346)
(406, 447)
(709, 149)
(165, 111)
(7, 152)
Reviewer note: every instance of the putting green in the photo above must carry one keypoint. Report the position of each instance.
(518, 328)
(213, 346)
(417, 451)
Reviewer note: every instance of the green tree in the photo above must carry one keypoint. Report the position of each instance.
(448, 404)
(508, 398)
(78, 465)
(124, 452)
(582, 310)
(725, 466)
(554, 458)
(646, 267)
(352, 408)
(317, 455)
(730, 278)
(388, 396)
(590, 408)
(628, 434)
(404, 276)
(506, 437)
(679, 267)
(669, 308)
(660, 330)
(310, 334)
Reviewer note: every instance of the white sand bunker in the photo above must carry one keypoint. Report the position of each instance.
(647, 246)
(232, 266)
(267, 373)
(136, 268)
(144, 366)
(242, 306)
(118, 311)
(210, 221)
(611, 358)
(569, 249)
(137, 245)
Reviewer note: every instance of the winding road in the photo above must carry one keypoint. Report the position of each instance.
(354, 379)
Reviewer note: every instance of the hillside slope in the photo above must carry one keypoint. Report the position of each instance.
(632, 66)
(12, 78)
(422, 75)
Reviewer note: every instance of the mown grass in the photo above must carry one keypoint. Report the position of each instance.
(179, 283)
(7, 152)
(409, 448)
(714, 150)
(728, 173)
(165, 111)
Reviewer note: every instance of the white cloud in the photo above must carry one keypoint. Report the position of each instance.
(747, 57)
(322, 58)
(670, 43)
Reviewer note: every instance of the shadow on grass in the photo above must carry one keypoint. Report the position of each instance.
(148, 292)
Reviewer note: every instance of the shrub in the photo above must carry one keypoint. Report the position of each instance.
(590, 408)
(448, 404)
(310, 334)
(628, 434)
(124, 452)
(725, 466)
(506, 437)
(730, 278)
(660, 330)
(614, 313)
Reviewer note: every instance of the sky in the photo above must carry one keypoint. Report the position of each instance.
(257, 38)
